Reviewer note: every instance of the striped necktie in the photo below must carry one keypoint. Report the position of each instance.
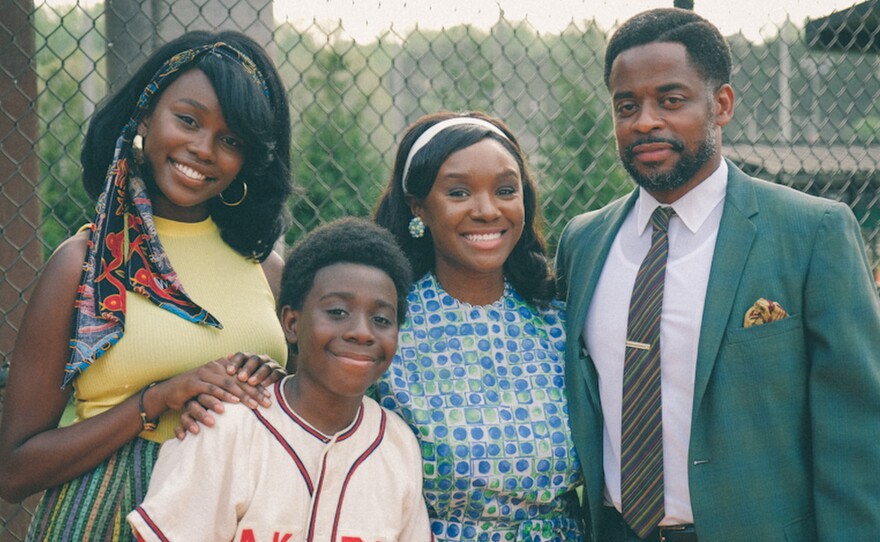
(642, 430)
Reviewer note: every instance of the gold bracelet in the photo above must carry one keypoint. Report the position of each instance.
(149, 425)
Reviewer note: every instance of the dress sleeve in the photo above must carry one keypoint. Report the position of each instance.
(196, 492)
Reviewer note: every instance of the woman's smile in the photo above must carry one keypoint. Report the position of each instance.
(488, 240)
(188, 172)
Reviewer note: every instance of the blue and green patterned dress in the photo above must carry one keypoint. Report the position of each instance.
(482, 387)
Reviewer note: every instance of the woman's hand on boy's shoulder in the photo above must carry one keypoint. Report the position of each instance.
(239, 377)
(257, 370)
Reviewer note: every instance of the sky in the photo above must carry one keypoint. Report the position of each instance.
(365, 19)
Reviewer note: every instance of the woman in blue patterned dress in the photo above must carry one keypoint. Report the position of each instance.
(478, 373)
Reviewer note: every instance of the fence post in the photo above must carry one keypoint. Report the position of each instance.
(20, 246)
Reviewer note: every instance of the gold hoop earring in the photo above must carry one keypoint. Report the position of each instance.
(241, 199)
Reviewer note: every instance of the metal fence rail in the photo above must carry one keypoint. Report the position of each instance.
(808, 114)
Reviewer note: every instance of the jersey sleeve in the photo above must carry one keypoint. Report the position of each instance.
(196, 492)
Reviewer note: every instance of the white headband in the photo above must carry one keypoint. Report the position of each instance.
(431, 132)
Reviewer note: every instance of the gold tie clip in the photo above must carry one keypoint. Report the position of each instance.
(640, 346)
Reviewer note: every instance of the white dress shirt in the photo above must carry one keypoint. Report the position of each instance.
(692, 234)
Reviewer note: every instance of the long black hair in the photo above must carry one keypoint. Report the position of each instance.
(526, 267)
(261, 121)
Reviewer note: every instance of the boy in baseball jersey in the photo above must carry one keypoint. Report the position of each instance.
(323, 463)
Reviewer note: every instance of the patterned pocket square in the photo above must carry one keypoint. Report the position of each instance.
(763, 311)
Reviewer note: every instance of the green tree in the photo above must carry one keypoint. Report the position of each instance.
(579, 159)
(334, 165)
(448, 70)
(67, 46)
(576, 151)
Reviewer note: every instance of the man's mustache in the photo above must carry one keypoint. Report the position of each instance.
(676, 145)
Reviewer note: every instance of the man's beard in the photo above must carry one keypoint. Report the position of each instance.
(689, 163)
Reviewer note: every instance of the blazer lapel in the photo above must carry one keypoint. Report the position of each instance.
(590, 260)
(736, 233)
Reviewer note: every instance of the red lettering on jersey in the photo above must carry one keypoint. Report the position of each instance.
(247, 535)
(351, 539)
(285, 538)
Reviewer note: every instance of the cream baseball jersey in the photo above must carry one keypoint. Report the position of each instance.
(266, 475)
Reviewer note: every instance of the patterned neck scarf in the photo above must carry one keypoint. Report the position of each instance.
(124, 251)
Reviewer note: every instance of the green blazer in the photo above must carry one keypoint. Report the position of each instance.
(785, 441)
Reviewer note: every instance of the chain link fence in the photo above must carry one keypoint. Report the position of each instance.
(808, 114)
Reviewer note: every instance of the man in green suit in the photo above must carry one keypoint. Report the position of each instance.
(768, 377)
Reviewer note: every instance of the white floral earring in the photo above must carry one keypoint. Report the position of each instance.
(416, 228)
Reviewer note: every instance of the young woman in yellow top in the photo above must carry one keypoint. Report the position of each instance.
(154, 303)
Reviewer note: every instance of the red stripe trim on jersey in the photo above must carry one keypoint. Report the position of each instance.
(354, 466)
(354, 427)
(296, 419)
(151, 524)
(316, 502)
(287, 447)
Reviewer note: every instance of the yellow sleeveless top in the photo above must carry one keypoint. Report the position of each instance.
(158, 345)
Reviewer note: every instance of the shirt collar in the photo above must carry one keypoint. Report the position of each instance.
(693, 208)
